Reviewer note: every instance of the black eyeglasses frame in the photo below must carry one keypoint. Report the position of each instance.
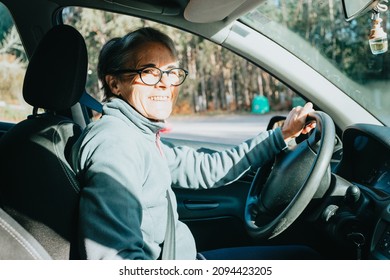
(139, 72)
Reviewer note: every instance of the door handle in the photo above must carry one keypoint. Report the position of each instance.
(200, 204)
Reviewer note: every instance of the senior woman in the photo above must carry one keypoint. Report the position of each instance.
(127, 173)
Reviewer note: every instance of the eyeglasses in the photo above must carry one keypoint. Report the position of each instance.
(152, 75)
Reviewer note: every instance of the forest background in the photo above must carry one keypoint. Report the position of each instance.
(219, 80)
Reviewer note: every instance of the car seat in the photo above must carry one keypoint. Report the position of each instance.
(38, 187)
(16, 243)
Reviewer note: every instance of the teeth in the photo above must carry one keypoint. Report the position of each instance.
(159, 98)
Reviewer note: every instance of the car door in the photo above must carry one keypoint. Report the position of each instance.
(215, 216)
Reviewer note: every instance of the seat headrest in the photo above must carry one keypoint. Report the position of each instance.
(57, 72)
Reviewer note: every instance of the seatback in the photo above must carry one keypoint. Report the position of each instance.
(16, 243)
(38, 187)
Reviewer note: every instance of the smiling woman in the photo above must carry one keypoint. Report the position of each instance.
(145, 50)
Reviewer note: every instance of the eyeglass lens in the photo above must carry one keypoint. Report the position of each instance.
(153, 75)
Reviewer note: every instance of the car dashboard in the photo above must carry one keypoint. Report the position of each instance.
(366, 158)
(366, 165)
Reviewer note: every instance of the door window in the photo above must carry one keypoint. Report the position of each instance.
(13, 63)
(225, 97)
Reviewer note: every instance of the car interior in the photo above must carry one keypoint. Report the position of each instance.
(339, 199)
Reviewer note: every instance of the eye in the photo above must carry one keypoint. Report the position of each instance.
(174, 72)
(177, 72)
(151, 71)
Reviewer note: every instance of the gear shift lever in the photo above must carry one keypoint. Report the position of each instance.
(358, 239)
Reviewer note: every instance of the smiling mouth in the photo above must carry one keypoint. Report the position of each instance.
(160, 98)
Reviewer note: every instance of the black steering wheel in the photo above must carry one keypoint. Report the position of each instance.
(281, 190)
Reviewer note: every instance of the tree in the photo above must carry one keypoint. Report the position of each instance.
(5, 22)
(220, 80)
(12, 67)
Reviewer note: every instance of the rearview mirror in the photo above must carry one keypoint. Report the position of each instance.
(355, 8)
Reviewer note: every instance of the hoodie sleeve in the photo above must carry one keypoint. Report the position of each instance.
(193, 169)
(110, 208)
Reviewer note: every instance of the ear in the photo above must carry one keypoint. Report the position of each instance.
(113, 83)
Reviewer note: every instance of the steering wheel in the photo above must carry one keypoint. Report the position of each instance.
(281, 190)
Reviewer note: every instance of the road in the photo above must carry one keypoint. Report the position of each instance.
(228, 129)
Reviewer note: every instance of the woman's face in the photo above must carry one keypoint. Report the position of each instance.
(153, 102)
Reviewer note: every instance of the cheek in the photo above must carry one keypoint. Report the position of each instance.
(138, 98)
(135, 95)
(175, 94)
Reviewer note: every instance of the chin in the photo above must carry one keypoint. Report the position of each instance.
(159, 117)
(161, 113)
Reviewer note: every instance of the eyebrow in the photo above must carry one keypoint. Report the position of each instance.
(148, 65)
(170, 66)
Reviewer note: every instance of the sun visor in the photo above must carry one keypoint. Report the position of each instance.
(155, 7)
(206, 11)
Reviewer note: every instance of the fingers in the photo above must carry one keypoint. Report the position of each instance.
(308, 106)
(303, 114)
(308, 127)
(305, 110)
(300, 113)
(295, 123)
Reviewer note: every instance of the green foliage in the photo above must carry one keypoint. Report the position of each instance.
(322, 24)
(12, 71)
(13, 113)
(5, 22)
(218, 79)
(11, 77)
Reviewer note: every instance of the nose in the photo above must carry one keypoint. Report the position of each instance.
(165, 80)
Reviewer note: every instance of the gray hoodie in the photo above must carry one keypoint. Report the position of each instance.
(125, 173)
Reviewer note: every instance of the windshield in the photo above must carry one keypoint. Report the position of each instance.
(316, 32)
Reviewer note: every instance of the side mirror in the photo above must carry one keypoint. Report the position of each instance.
(355, 8)
(275, 121)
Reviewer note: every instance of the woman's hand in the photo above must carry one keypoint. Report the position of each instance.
(295, 123)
